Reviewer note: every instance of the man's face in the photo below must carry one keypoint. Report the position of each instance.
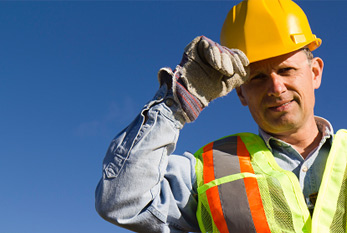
(280, 91)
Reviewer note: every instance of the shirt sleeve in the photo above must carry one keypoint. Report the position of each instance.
(143, 187)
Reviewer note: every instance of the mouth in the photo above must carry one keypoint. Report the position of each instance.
(281, 107)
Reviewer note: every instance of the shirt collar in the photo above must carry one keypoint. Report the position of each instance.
(323, 125)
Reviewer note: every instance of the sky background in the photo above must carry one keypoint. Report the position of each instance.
(75, 73)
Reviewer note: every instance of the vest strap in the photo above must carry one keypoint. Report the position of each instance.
(329, 191)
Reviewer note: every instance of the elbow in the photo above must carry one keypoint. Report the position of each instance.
(111, 207)
(108, 211)
(118, 215)
(105, 206)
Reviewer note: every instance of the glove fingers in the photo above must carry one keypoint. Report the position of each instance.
(223, 59)
(243, 57)
(216, 56)
(239, 68)
(227, 67)
(240, 61)
(210, 53)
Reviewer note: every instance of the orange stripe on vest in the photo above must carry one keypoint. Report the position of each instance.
(252, 189)
(212, 193)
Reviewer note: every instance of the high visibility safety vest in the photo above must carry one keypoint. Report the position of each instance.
(242, 189)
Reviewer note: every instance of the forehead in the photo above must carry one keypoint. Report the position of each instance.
(295, 58)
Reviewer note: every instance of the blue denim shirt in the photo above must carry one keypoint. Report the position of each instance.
(145, 188)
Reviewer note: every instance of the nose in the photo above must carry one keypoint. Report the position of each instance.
(276, 85)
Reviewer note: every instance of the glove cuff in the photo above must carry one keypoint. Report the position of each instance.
(190, 105)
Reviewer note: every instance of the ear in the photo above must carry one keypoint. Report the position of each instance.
(241, 96)
(317, 65)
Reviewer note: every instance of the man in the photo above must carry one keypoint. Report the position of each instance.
(290, 178)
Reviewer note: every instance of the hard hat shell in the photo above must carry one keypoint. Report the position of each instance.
(267, 28)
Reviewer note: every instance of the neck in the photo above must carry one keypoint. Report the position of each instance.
(304, 139)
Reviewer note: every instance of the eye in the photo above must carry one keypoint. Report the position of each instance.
(260, 76)
(286, 71)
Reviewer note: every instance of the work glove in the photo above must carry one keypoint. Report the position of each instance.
(210, 70)
(207, 71)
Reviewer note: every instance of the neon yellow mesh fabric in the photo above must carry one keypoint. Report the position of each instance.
(339, 220)
(277, 209)
(276, 206)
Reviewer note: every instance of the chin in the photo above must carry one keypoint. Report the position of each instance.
(280, 127)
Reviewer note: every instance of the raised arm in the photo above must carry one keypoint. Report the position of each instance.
(144, 187)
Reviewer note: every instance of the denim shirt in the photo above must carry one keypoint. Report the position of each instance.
(145, 188)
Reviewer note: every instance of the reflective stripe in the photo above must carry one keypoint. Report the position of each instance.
(232, 194)
(212, 193)
(224, 180)
(252, 189)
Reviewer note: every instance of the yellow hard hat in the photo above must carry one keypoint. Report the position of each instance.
(267, 28)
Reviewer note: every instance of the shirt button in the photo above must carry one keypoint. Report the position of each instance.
(304, 169)
(169, 102)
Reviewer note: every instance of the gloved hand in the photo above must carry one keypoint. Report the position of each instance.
(209, 70)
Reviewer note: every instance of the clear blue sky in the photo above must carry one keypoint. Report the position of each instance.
(73, 74)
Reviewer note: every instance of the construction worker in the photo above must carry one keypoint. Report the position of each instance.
(289, 178)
